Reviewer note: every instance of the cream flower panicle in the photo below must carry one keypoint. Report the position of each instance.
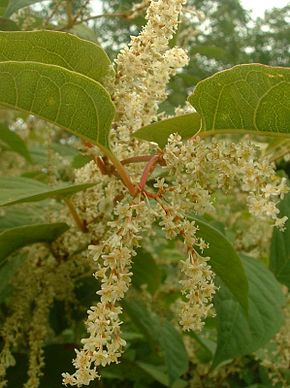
(113, 258)
(201, 167)
(145, 67)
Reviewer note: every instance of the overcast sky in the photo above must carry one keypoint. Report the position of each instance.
(259, 6)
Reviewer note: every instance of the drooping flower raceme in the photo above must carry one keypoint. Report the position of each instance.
(114, 258)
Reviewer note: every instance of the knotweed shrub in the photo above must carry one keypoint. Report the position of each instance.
(176, 217)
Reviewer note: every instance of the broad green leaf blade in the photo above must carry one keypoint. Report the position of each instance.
(163, 333)
(145, 271)
(7, 24)
(175, 355)
(237, 334)
(10, 217)
(14, 142)
(147, 322)
(158, 374)
(186, 126)
(12, 239)
(15, 5)
(56, 48)
(18, 189)
(246, 97)
(65, 98)
(280, 247)
(225, 262)
(3, 6)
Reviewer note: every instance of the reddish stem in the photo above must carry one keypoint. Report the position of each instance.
(136, 159)
(148, 170)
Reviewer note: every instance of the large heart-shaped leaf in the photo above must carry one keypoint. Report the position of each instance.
(56, 48)
(12, 239)
(280, 246)
(225, 262)
(245, 98)
(159, 132)
(239, 335)
(65, 98)
(18, 189)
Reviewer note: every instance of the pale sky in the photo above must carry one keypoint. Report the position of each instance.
(259, 6)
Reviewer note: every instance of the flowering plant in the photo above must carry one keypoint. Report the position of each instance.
(172, 215)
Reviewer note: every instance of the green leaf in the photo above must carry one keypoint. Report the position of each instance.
(145, 271)
(209, 51)
(65, 98)
(3, 6)
(15, 5)
(11, 217)
(12, 239)
(280, 247)
(246, 97)
(14, 142)
(158, 374)
(7, 24)
(18, 189)
(159, 331)
(56, 48)
(225, 262)
(237, 334)
(186, 126)
(176, 359)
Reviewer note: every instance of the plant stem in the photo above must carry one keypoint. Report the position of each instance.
(148, 170)
(69, 14)
(121, 171)
(136, 159)
(79, 222)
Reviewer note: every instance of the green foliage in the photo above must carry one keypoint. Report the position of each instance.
(146, 272)
(18, 215)
(65, 98)
(14, 142)
(7, 24)
(14, 238)
(246, 97)
(163, 333)
(186, 126)
(221, 253)
(56, 48)
(15, 5)
(280, 247)
(239, 335)
(18, 190)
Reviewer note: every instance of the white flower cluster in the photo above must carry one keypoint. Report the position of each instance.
(145, 67)
(202, 167)
(199, 289)
(114, 256)
(197, 284)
